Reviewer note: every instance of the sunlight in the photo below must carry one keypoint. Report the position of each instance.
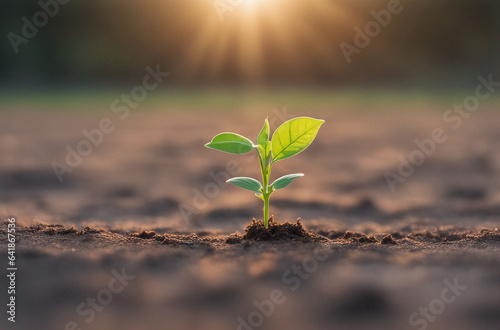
(238, 36)
(251, 2)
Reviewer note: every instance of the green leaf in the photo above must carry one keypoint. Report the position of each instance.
(231, 143)
(263, 138)
(246, 183)
(293, 136)
(259, 194)
(286, 180)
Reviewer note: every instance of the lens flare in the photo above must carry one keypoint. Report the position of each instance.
(238, 36)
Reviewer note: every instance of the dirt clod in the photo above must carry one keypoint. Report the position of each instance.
(360, 238)
(279, 232)
(388, 240)
(332, 234)
(91, 230)
(52, 229)
(144, 234)
(234, 239)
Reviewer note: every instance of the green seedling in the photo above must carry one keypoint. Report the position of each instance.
(291, 138)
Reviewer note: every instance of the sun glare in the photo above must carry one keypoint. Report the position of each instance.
(236, 36)
(251, 1)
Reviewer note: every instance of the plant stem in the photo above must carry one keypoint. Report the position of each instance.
(266, 194)
(266, 210)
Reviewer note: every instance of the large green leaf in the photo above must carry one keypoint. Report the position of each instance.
(246, 183)
(231, 143)
(286, 180)
(293, 136)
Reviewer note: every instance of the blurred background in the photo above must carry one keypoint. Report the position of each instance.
(94, 45)
(230, 66)
(65, 66)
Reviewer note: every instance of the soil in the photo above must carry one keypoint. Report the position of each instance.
(362, 257)
(255, 231)
(278, 232)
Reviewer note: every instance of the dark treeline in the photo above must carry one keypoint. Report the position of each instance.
(100, 42)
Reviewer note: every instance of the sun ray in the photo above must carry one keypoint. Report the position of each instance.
(202, 46)
(251, 44)
(251, 30)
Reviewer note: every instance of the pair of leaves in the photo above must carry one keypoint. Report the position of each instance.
(291, 138)
(255, 186)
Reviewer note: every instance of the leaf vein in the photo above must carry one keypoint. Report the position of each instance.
(285, 148)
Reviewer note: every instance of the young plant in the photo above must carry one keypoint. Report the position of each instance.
(291, 138)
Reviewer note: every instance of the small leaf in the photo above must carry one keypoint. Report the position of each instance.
(263, 138)
(259, 194)
(293, 136)
(231, 143)
(286, 180)
(265, 153)
(246, 183)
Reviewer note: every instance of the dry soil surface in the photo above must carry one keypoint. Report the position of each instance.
(148, 206)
